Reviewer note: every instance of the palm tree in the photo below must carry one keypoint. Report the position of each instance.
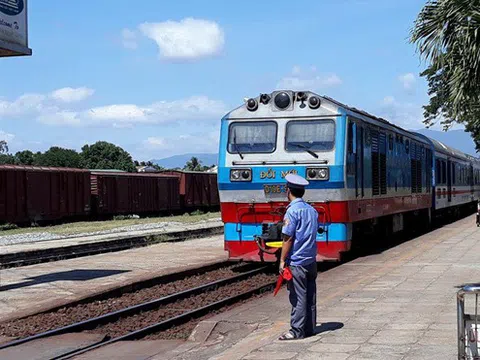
(193, 165)
(447, 34)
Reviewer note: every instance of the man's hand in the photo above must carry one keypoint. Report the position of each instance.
(281, 267)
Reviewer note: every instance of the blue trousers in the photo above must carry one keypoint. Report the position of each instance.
(303, 298)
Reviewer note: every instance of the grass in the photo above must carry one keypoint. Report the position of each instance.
(91, 226)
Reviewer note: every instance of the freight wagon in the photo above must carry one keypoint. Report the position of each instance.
(40, 194)
(198, 190)
(126, 193)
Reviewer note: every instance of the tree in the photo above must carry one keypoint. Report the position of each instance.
(25, 157)
(104, 155)
(58, 157)
(7, 159)
(447, 34)
(3, 147)
(193, 165)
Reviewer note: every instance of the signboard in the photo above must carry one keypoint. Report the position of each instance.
(14, 28)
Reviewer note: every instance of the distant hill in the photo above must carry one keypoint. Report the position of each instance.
(180, 160)
(457, 139)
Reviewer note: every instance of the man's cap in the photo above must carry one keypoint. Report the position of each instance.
(296, 181)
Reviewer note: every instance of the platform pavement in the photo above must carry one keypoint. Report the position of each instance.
(82, 239)
(398, 304)
(30, 289)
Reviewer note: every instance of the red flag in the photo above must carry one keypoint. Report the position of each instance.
(287, 275)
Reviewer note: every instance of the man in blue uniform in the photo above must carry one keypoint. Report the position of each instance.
(299, 251)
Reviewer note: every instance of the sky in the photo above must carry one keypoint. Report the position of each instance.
(155, 77)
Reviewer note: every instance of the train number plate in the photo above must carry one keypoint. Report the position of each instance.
(275, 189)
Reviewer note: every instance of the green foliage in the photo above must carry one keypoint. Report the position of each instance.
(25, 157)
(195, 165)
(104, 155)
(7, 159)
(8, 226)
(447, 33)
(58, 157)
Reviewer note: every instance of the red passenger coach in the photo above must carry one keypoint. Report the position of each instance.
(43, 194)
(127, 193)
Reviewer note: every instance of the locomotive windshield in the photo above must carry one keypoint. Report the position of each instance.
(317, 135)
(252, 137)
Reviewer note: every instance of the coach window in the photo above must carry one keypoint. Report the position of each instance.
(252, 137)
(444, 172)
(438, 172)
(454, 172)
(316, 135)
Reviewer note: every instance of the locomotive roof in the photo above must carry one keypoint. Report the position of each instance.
(242, 113)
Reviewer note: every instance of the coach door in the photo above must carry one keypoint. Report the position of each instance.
(449, 180)
(359, 184)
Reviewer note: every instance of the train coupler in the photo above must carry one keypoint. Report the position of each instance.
(270, 241)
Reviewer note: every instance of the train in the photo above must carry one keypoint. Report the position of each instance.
(45, 195)
(368, 178)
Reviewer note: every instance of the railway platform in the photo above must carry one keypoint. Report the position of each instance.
(24, 252)
(30, 289)
(397, 304)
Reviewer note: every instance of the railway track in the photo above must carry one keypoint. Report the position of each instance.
(124, 242)
(159, 314)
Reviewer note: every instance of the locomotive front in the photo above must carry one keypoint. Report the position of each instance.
(260, 143)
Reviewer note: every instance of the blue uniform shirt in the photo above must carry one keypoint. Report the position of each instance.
(301, 222)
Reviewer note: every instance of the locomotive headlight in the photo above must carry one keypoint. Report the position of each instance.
(240, 175)
(282, 100)
(317, 174)
(323, 173)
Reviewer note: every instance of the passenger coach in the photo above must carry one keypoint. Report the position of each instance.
(367, 176)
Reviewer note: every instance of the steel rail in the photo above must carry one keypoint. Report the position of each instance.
(146, 306)
(165, 324)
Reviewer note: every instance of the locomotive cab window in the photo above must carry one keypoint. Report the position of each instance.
(252, 137)
(316, 135)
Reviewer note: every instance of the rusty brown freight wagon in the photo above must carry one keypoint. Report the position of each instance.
(42, 194)
(197, 189)
(115, 193)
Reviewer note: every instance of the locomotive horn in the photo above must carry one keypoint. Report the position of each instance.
(301, 96)
(265, 98)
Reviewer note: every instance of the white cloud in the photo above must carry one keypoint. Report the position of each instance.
(6, 136)
(69, 95)
(193, 108)
(187, 39)
(408, 81)
(61, 117)
(155, 143)
(25, 104)
(309, 79)
(129, 39)
(406, 115)
(48, 111)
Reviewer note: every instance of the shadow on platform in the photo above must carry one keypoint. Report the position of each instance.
(71, 275)
(328, 326)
